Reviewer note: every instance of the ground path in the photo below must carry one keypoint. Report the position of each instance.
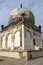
(12, 61)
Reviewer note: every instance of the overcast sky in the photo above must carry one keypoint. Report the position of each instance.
(36, 6)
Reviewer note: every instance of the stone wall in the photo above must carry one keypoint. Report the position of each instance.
(34, 54)
(11, 38)
(9, 54)
(22, 54)
(37, 54)
(29, 35)
(14, 54)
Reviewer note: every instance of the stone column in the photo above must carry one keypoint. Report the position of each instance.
(23, 36)
(6, 40)
(1, 41)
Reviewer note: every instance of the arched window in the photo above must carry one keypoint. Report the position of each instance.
(34, 43)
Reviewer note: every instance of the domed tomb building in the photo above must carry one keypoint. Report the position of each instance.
(21, 31)
(21, 38)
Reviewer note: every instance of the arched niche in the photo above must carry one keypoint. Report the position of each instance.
(30, 34)
(9, 41)
(28, 41)
(17, 39)
(4, 42)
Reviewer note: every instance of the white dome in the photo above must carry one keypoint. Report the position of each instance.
(19, 12)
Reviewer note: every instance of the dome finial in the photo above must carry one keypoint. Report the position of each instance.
(21, 5)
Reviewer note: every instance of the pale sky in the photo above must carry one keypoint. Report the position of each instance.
(36, 6)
